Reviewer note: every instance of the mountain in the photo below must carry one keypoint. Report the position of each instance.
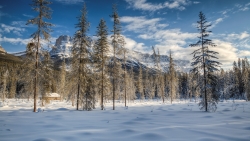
(62, 47)
(6, 57)
(64, 43)
(2, 50)
(134, 58)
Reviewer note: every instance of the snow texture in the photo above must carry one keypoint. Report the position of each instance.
(148, 120)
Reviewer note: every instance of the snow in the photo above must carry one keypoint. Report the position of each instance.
(148, 120)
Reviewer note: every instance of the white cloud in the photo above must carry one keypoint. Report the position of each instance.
(15, 30)
(234, 36)
(147, 6)
(170, 36)
(245, 7)
(133, 45)
(242, 7)
(14, 40)
(136, 24)
(178, 41)
(217, 21)
(227, 53)
(70, 1)
(244, 53)
(196, 2)
(244, 35)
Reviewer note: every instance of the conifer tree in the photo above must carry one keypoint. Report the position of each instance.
(140, 84)
(161, 86)
(80, 57)
(172, 79)
(125, 76)
(240, 78)
(3, 82)
(131, 85)
(101, 50)
(62, 79)
(47, 76)
(42, 32)
(117, 42)
(146, 84)
(204, 64)
(13, 81)
(222, 83)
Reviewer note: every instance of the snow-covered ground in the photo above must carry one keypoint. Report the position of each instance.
(143, 121)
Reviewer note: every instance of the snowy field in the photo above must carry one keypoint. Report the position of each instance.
(141, 121)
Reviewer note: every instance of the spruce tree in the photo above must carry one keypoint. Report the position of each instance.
(125, 76)
(13, 80)
(204, 64)
(172, 79)
(117, 42)
(3, 81)
(47, 77)
(62, 80)
(101, 50)
(80, 58)
(140, 84)
(42, 32)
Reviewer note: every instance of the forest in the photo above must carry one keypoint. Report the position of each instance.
(93, 77)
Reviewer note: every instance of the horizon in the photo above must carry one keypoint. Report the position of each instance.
(165, 24)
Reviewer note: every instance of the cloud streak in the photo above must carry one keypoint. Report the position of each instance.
(70, 1)
(147, 6)
(12, 29)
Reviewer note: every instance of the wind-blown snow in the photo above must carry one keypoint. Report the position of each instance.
(150, 120)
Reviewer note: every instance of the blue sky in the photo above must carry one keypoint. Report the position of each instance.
(165, 24)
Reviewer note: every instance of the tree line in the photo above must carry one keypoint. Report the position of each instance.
(94, 77)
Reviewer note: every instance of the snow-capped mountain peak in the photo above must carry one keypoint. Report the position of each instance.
(62, 46)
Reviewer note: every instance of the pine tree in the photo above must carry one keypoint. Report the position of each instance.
(125, 76)
(172, 79)
(13, 81)
(240, 79)
(246, 78)
(160, 85)
(28, 70)
(117, 42)
(42, 32)
(3, 81)
(193, 85)
(235, 88)
(204, 63)
(62, 79)
(80, 58)
(140, 84)
(222, 83)
(131, 85)
(101, 50)
(47, 77)
(146, 84)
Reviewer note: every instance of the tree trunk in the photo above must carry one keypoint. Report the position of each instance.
(114, 79)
